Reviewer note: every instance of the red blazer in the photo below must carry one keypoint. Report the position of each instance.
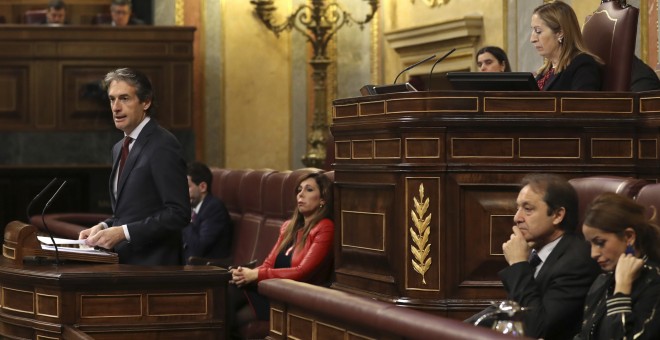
(312, 264)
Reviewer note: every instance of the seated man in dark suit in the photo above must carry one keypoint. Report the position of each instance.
(122, 13)
(550, 269)
(209, 233)
(643, 77)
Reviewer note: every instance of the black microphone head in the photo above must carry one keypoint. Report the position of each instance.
(28, 208)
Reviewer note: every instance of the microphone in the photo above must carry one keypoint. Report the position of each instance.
(436, 63)
(43, 220)
(413, 66)
(368, 90)
(27, 210)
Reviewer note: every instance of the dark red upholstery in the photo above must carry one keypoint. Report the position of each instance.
(375, 318)
(589, 187)
(35, 16)
(649, 196)
(610, 33)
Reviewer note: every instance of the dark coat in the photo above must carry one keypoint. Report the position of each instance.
(556, 296)
(582, 74)
(152, 198)
(210, 234)
(601, 319)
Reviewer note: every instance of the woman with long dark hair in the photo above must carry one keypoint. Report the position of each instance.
(624, 301)
(303, 252)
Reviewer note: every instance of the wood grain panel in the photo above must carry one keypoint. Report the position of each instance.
(363, 149)
(423, 148)
(300, 327)
(14, 94)
(124, 305)
(549, 147)
(648, 149)
(177, 304)
(597, 105)
(48, 305)
(17, 300)
(482, 148)
(345, 111)
(513, 104)
(611, 148)
(387, 148)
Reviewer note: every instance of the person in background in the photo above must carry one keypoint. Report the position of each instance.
(568, 65)
(209, 233)
(643, 77)
(303, 252)
(624, 301)
(549, 270)
(148, 186)
(122, 13)
(492, 59)
(56, 12)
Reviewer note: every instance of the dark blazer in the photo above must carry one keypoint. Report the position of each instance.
(152, 198)
(210, 234)
(556, 296)
(601, 319)
(643, 77)
(582, 74)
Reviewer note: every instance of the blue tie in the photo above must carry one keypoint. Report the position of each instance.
(534, 260)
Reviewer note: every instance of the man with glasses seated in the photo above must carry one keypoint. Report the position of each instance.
(121, 12)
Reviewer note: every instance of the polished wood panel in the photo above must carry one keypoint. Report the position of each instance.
(77, 11)
(50, 77)
(42, 300)
(426, 181)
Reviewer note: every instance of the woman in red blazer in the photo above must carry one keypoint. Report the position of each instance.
(303, 252)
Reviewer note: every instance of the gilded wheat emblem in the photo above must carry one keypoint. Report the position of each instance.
(420, 247)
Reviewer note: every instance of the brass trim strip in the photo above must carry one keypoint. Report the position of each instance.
(271, 319)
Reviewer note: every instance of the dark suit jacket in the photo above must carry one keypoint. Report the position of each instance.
(152, 198)
(556, 296)
(643, 77)
(582, 74)
(210, 234)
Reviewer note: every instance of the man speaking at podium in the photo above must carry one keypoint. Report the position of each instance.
(148, 182)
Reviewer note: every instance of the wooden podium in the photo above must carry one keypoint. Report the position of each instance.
(426, 182)
(107, 301)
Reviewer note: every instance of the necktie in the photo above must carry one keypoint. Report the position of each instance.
(193, 216)
(534, 260)
(124, 153)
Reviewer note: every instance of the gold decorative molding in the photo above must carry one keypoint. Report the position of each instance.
(420, 246)
(178, 12)
(433, 3)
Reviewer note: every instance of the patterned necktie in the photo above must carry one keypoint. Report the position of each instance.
(535, 260)
(124, 153)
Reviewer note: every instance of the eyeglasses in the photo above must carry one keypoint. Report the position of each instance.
(119, 12)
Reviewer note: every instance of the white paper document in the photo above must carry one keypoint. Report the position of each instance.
(58, 241)
(64, 245)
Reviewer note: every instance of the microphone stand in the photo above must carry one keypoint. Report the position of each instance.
(43, 220)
